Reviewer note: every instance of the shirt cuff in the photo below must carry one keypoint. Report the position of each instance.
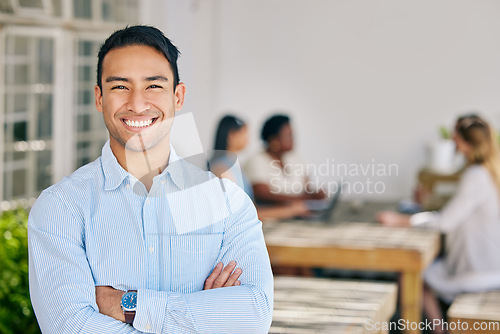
(422, 218)
(179, 317)
(151, 306)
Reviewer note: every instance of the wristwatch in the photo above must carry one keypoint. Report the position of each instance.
(129, 305)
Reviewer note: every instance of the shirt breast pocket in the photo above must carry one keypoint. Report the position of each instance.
(193, 257)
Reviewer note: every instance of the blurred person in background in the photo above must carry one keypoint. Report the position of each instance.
(278, 174)
(470, 221)
(231, 138)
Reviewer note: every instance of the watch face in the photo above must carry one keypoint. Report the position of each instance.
(129, 301)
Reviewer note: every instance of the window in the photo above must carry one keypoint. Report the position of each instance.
(27, 113)
(47, 77)
(31, 3)
(6, 6)
(91, 132)
(118, 10)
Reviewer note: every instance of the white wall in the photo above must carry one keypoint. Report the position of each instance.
(364, 81)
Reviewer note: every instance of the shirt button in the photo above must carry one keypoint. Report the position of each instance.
(147, 200)
(151, 249)
(127, 186)
(148, 327)
(162, 181)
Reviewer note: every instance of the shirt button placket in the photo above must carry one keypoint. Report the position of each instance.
(151, 239)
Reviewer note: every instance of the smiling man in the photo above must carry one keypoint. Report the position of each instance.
(140, 240)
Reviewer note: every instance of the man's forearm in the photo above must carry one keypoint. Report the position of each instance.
(71, 320)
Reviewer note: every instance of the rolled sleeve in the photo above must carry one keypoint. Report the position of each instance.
(151, 307)
(62, 288)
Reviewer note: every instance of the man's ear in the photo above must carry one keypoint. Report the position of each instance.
(98, 98)
(180, 92)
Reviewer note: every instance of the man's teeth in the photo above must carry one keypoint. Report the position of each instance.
(138, 124)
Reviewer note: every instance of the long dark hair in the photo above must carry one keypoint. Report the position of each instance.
(227, 124)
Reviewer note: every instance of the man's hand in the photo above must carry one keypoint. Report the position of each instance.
(108, 300)
(223, 277)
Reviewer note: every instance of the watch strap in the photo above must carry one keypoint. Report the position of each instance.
(129, 315)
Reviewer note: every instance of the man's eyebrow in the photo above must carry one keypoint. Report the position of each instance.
(112, 78)
(156, 78)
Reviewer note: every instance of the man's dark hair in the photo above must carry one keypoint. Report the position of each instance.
(139, 35)
(272, 126)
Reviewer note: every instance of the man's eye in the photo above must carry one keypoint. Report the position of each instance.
(155, 86)
(119, 87)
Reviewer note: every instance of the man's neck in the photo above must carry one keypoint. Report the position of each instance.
(143, 165)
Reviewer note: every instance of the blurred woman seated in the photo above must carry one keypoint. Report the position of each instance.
(277, 174)
(232, 138)
(470, 220)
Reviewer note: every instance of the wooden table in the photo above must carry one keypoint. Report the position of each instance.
(360, 246)
(312, 305)
(476, 309)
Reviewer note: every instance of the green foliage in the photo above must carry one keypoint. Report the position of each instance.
(445, 132)
(16, 313)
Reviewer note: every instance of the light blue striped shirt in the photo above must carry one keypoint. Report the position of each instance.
(100, 226)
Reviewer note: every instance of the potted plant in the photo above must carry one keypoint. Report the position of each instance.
(443, 153)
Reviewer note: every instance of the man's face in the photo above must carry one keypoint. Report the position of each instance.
(138, 100)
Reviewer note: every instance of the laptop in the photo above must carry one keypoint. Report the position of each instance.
(322, 210)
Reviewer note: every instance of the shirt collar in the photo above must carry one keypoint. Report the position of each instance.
(114, 174)
(174, 169)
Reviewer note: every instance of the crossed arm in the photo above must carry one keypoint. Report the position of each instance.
(64, 296)
(108, 299)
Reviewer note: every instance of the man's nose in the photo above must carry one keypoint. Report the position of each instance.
(138, 102)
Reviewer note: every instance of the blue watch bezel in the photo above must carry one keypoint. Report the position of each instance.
(124, 302)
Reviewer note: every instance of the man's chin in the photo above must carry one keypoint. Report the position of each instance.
(136, 145)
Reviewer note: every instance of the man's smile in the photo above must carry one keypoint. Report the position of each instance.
(139, 123)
